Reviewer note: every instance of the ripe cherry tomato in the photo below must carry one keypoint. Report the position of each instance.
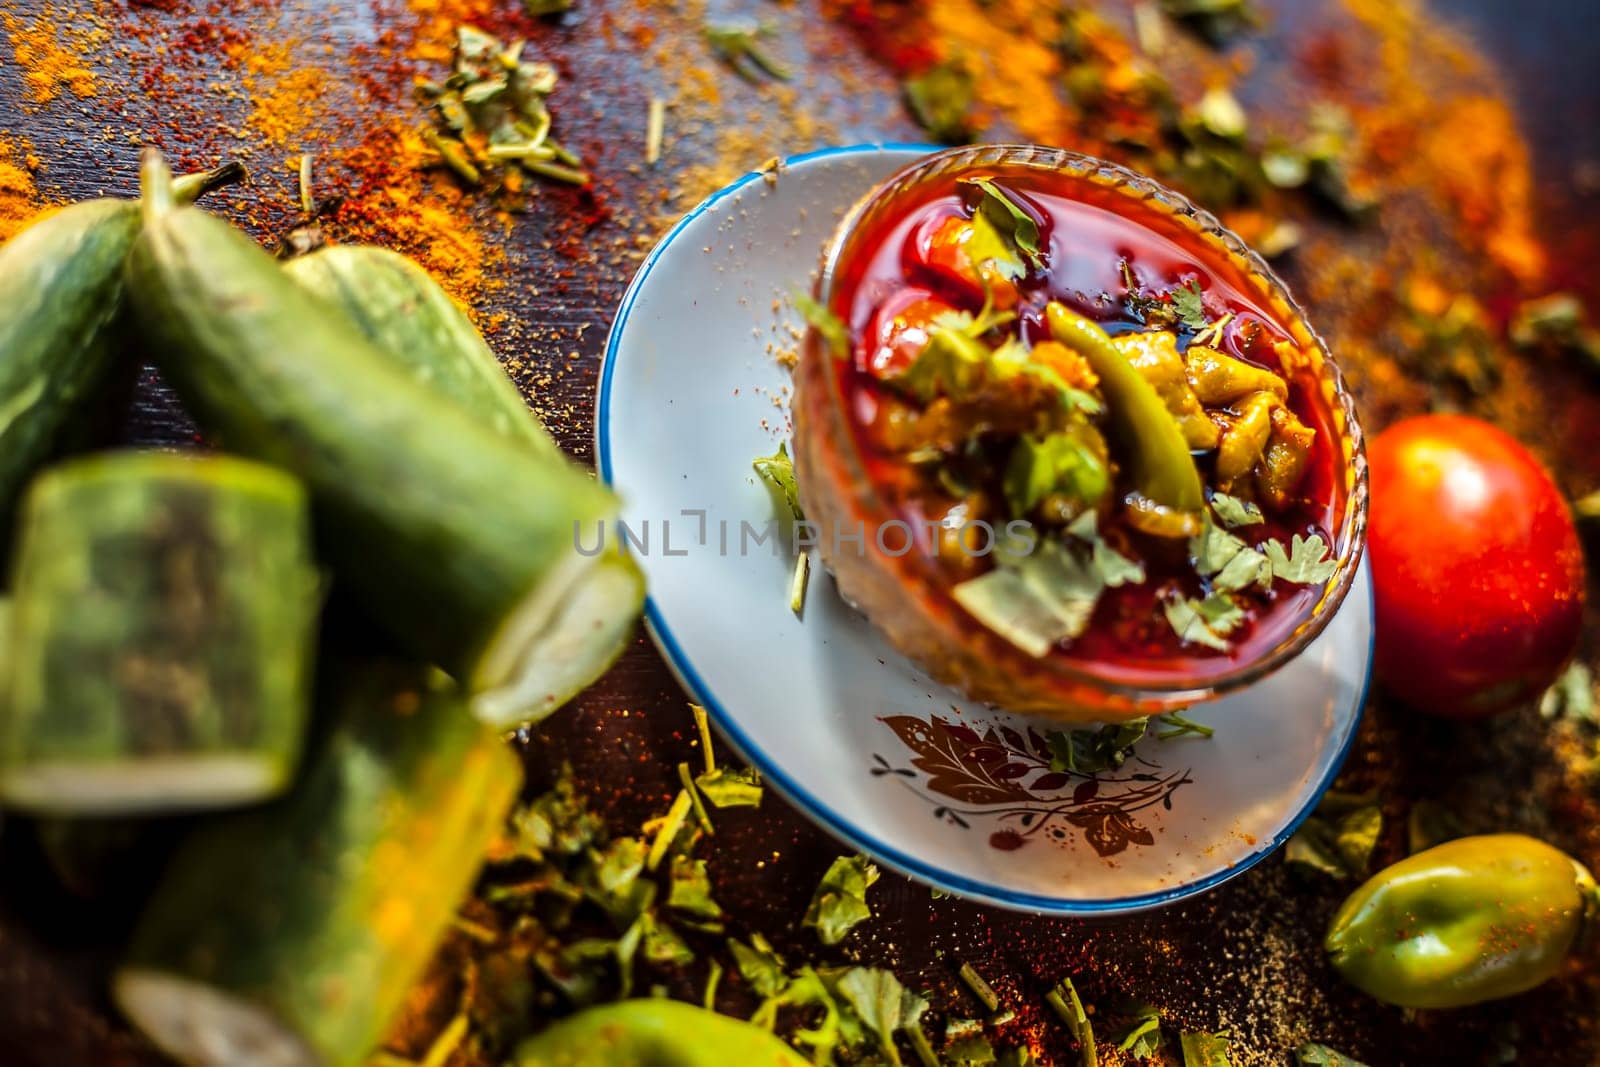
(1476, 567)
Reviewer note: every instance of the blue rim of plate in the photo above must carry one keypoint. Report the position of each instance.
(772, 771)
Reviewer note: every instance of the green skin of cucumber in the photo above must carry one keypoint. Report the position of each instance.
(654, 1032)
(440, 525)
(319, 912)
(163, 617)
(60, 292)
(407, 316)
(61, 288)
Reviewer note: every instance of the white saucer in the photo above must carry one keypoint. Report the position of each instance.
(897, 766)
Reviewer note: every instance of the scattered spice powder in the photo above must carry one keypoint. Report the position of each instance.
(19, 198)
(52, 59)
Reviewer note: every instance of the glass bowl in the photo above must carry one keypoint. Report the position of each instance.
(907, 596)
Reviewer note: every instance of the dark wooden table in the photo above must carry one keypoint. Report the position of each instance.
(1246, 957)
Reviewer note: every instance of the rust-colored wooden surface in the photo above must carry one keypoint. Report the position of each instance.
(1245, 957)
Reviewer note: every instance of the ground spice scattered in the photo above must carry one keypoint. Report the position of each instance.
(19, 198)
(55, 59)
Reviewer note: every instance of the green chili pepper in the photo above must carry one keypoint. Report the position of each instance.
(1165, 480)
(654, 1032)
(1467, 921)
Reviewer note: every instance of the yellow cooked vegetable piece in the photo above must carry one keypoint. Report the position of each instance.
(1284, 462)
(1070, 365)
(1245, 437)
(1219, 379)
(1155, 356)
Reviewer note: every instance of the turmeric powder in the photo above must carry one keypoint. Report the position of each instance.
(19, 199)
(50, 60)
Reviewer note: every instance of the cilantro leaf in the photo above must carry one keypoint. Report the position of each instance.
(1203, 622)
(738, 788)
(973, 1050)
(1097, 749)
(661, 944)
(941, 100)
(1306, 562)
(1205, 1050)
(1187, 300)
(1235, 512)
(1043, 598)
(1430, 823)
(1143, 1038)
(1064, 463)
(689, 889)
(1068, 1006)
(737, 45)
(1009, 218)
(1314, 1055)
(829, 326)
(1112, 566)
(777, 470)
(1340, 838)
(1231, 564)
(762, 968)
(882, 1004)
(840, 901)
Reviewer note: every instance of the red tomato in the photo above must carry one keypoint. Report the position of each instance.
(1476, 567)
(899, 330)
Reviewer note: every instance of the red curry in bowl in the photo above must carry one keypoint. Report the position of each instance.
(1101, 464)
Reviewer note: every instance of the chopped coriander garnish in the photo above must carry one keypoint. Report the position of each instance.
(666, 829)
(1340, 838)
(702, 725)
(1205, 1050)
(918, 1039)
(1097, 749)
(1231, 564)
(1235, 512)
(1213, 331)
(1430, 823)
(1009, 218)
(1112, 566)
(882, 1005)
(1204, 622)
(971, 1051)
(308, 206)
(694, 798)
(738, 788)
(1181, 726)
(689, 890)
(1044, 598)
(1063, 1000)
(738, 45)
(1306, 561)
(826, 323)
(1314, 1055)
(840, 901)
(654, 129)
(980, 988)
(759, 965)
(1143, 1038)
(708, 999)
(797, 584)
(941, 100)
(1187, 301)
(778, 471)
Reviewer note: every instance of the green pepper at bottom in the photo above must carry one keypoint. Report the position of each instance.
(654, 1032)
(1467, 921)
